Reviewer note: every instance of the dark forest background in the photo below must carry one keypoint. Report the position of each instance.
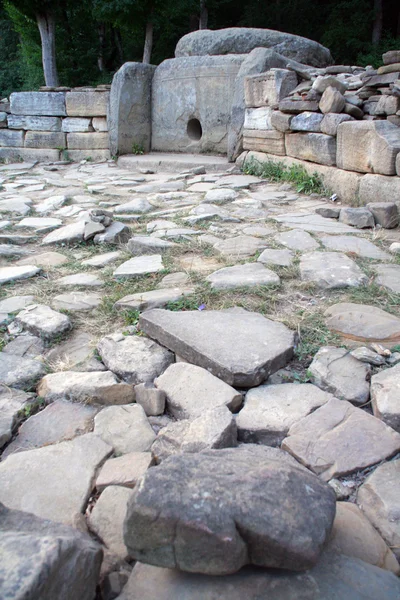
(93, 38)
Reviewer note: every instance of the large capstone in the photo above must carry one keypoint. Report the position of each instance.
(241, 348)
(228, 508)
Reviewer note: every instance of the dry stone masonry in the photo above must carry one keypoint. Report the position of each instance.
(199, 368)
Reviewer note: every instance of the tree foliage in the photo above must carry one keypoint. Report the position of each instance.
(95, 37)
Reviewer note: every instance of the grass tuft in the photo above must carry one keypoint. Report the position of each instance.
(296, 174)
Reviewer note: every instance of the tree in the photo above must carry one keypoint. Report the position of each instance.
(43, 12)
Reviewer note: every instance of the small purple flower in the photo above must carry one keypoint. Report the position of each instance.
(201, 307)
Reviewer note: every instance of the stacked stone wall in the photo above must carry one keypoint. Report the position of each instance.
(57, 124)
(343, 123)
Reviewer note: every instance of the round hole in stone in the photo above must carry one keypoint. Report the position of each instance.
(194, 130)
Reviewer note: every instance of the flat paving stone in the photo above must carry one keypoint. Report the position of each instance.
(363, 323)
(388, 276)
(240, 347)
(71, 353)
(76, 301)
(141, 265)
(199, 264)
(101, 260)
(146, 244)
(57, 422)
(45, 259)
(69, 234)
(20, 373)
(270, 410)
(339, 439)
(354, 245)
(137, 205)
(331, 270)
(313, 222)
(174, 280)
(43, 321)
(385, 396)
(282, 258)
(125, 470)
(9, 274)
(242, 246)
(39, 223)
(81, 279)
(297, 240)
(153, 299)
(125, 427)
(379, 499)
(258, 231)
(16, 303)
(27, 345)
(69, 465)
(6, 251)
(248, 275)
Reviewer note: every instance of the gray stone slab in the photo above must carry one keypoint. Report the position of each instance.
(248, 275)
(45, 260)
(15, 303)
(34, 123)
(27, 345)
(239, 347)
(107, 519)
(242, 246)
(69, 465)
(18, 372)
(12, 402)
(43, 321)
(125, 470)
(141, 265)
(101, 260)
(388, 276)
(69, 234)
(282, 258)
(331, 270)
(39, 223)
(145, 244)
(38, 103)
(84, 279)
(153, 299)
(313, 222)
(385, 396)
(363, 322)
(76, 301)
(9, 274)
(355, 245)
(297, 240)
(125, 427)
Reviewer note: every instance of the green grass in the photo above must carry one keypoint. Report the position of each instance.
(296, 174)
(313, 334)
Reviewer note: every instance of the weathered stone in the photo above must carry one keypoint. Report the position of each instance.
(91, 229)
(50, 204)
(331, 270)
(214, 428)
(14, 205)
(387, 105)
(10, 250)
(268, 89)
(150, 399)
(12, 402)
(393, 56)
(297, 240)
(45, 139)
(136, 206)
(297, 106)
(353, 535)
(125, 470)
(332, 101)
(125, 427)
(38, 103)
(239, 347)
(281, 258)
(34, 123)
(385, 214)
(100, 124)
(43, 321)
(262, 480)
(20, 373)
(388, 275)
(198, 264)
(133, 358)
(26, 345)
(76, 301)
(144, 244)
(241, 246)
(190, 390)
(101, 260)
(87, 141)
(378, 498)
(363, 323)
(331, 122)
(71, 124)
(57, 422)
(141, 265)
(368, 356)
(272, 142)
(73, 353)
(270, 410)
(42, 559)
(15, 303)
(368, 147)
(357, 217)
(129, 118)
(335, 575)
(307, 121)
(258, 118)
(354, 245)
(84, 279)
(69, 234)
(107, 518)
(328, 212)
(116, 233)
(339, 373)
(153, 299)
(39, 223)
(248, 275)
(324, 82)
(385, 396)
(378, 186)
(220, 196)
(339, 439)
(315, 147)
(281, 121)
(241, 41)
(8, 274)
(86, 104)
(89, 388)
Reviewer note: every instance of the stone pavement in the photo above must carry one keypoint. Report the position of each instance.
(215, 337)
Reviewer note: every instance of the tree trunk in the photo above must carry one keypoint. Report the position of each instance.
(118, 44)
(100, 57)
(377, 25)
(47, 29)
(148, 43)
(203, 21)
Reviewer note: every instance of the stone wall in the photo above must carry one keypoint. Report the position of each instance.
(343, 123)
(61, 124)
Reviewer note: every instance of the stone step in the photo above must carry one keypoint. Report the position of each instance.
(173, 162)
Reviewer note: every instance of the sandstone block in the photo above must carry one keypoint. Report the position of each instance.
(100, 124)
(332, 101)
(34, 123)
(331, 121)
(11, 139)
(281, 121)
(387, 105)
(379, 187)
(76, 124)
(86, 104)
(44, 139)
(307, 121)
(272, 142)
(38, 103)
(87, 141)
(314, 147)
(368, 147)
(269, 88)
